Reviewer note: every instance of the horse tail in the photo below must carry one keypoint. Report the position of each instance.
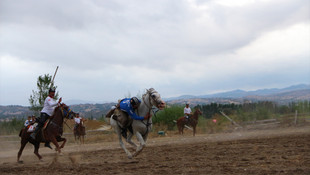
(108, 120)
(20, 133)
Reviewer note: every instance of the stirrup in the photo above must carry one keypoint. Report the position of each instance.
(47, 144)
(33, 135)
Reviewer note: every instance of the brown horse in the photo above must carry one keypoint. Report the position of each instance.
(192, 121)
(79, 132)
(52, 132)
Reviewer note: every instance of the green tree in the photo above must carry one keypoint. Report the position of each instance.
(168, 115)
(37, 98)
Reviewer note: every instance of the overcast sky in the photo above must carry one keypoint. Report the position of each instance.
(110, 49)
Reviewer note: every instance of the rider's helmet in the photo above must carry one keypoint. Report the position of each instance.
(134, 101)
(51, 90)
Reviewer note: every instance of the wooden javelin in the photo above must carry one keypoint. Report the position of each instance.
(52, 83)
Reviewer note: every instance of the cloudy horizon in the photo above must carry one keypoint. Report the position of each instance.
(106, 50)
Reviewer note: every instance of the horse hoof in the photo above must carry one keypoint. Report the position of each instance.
(20, 161)
(129, 156)
(61, 154)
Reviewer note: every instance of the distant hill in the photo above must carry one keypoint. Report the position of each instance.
(88, 110)
(91, 110)
(14, 111)
(237, 94)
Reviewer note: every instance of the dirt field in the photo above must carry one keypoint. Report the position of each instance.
(272, 151)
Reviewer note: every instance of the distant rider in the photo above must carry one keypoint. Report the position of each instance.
(28, 121)
(187, 111)
(77, 120)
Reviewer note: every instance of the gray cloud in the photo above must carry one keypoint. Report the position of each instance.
(123, 46)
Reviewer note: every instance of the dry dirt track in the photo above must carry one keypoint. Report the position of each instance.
(277, 151)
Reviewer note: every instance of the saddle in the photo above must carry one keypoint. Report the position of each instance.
(32, 127)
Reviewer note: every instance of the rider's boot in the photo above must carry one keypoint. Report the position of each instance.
(47, 144)
(33, 135)
(124, 132)
(187, 120)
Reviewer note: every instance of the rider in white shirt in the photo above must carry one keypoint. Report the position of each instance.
(47, 111)
(77, 120)
(187, 111)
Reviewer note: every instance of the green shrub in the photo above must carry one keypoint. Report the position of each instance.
(11, 127)
(168, 115)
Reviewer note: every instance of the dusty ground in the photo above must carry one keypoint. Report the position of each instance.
(271, 151)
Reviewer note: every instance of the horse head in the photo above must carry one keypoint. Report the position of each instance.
(66, 111)
(198, 111)
(154, 98)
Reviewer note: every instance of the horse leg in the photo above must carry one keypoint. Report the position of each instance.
(141, 146)
(78, 140)
(179, 128)
(54, 141)
(22, 146)
(118, 131)
(36, 150)
(130, 141)
(63, 140)
(194, 130)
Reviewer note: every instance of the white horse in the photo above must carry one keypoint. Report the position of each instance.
(140, 128)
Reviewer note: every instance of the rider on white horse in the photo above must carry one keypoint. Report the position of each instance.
(128, 105)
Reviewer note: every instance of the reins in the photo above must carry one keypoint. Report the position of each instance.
(148, 123)
(64, 121)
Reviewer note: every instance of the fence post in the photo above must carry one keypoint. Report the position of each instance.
(230, 119)
(296, 117)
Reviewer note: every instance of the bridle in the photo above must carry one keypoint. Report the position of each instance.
(150, 108)
(151, 97)
(65, 114)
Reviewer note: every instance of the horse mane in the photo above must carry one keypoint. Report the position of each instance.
(195, 115)
(55, 110)
(148, 91)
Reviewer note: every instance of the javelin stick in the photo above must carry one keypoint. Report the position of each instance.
(52, 82)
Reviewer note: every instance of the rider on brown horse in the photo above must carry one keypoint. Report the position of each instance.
(187, 112)
(47, 111)
(78, 120)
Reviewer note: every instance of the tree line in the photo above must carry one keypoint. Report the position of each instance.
(240, 112)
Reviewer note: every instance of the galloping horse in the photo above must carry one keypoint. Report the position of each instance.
(52, 132)
(79, 132)
(140, 128)
(192, 121)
